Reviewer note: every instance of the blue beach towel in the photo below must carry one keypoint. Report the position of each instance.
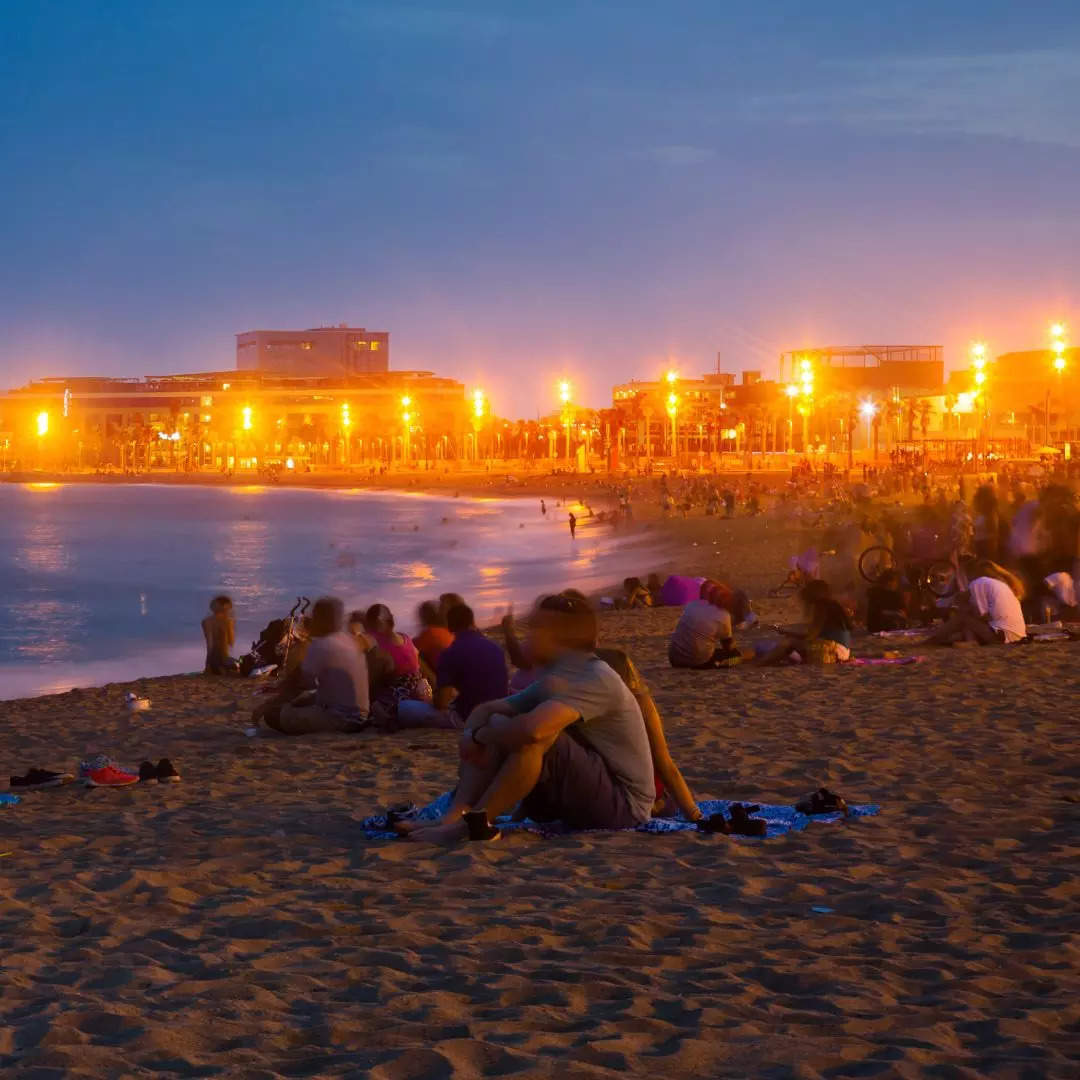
(779, 819)
(8, 800)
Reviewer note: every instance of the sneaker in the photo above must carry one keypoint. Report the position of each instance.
(92, 764)
(147, 772)
(166, 774)
(41, 778)
(110, 776)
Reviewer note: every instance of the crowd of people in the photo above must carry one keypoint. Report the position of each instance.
(574, 735)
(554, 724)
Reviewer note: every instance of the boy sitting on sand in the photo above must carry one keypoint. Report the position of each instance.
(572, 748)
(219, 630)
(989, 612)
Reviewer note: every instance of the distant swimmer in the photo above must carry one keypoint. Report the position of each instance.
(573, 525)
(543, 508)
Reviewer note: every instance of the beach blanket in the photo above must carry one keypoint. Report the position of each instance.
(8, 800)
(779, 819)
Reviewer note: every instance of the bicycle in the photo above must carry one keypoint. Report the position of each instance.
(936, 576)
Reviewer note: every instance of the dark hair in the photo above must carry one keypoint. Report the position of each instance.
(631, 583)
(378, 615)
(449, 600)
(460, 618)
(356, 616)
(327, 616)
(576, 620)
(430, 614)
(221, 601)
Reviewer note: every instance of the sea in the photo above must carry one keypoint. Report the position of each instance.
(108, 582)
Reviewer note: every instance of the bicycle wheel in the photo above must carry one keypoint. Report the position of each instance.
(874, 562)
(941, 578)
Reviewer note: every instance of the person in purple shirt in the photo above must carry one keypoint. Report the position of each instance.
(472, 670)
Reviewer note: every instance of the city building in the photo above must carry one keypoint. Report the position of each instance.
(323, 351)
(831, 399)
(254, 418)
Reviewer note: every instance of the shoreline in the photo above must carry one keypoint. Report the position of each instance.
(643, 540)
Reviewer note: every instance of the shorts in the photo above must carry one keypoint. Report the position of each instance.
(577, 788)
(314, 719)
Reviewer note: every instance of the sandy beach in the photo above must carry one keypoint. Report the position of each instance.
(239, 924)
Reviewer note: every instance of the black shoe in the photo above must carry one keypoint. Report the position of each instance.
(480, 829)
(742, 824)
(147, 773)
(714, 823)
(41, 778)
(823, 801)
(166, 774)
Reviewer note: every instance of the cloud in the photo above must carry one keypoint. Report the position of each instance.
(1030, 96)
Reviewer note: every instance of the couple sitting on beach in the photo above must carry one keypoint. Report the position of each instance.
(582, 743)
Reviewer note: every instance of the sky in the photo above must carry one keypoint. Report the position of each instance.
(523, 191)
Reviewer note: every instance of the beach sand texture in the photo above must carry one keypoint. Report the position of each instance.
(239, 925)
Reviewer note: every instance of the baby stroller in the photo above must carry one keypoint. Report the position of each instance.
(272, 648)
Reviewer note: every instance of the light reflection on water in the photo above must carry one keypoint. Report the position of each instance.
(100, 581)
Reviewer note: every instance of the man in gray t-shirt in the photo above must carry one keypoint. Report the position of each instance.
(336, 669)
(573, 747)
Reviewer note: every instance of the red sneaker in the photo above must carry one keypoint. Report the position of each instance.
(110, 776)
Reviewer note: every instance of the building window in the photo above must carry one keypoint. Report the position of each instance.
(305, 345)
(374, 346)
(360, 345)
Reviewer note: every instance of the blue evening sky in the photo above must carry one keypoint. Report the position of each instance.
(521, 189)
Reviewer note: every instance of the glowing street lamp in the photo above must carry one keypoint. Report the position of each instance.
(406, 421)
(245, 417)
(479, 408)
(42, 424)
(792, 392)
(564, 397)
(1057, 347)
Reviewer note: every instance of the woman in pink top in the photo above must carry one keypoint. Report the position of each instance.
(406, 680)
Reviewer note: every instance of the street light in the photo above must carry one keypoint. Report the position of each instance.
(406, 421)
(1057, 347)
(245, 417)
(673, 412)
(564, 397)
(42, 424)
(479, 408)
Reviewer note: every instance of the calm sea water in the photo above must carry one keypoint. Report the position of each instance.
(108, 582)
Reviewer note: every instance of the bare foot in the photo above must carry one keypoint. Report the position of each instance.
(407, 828)
(449, 834)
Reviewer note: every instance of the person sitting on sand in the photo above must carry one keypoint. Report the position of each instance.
(406, 681)
(656, 589)
(885, 609)
(635, 595)
(572, 748)
(434, 637)
(670, 785)
(335, 670)
(219, 630)
(827, 639)
(704, 636)
(472, 671)
(989, 612)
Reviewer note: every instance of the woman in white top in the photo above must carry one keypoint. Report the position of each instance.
(989, 612)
